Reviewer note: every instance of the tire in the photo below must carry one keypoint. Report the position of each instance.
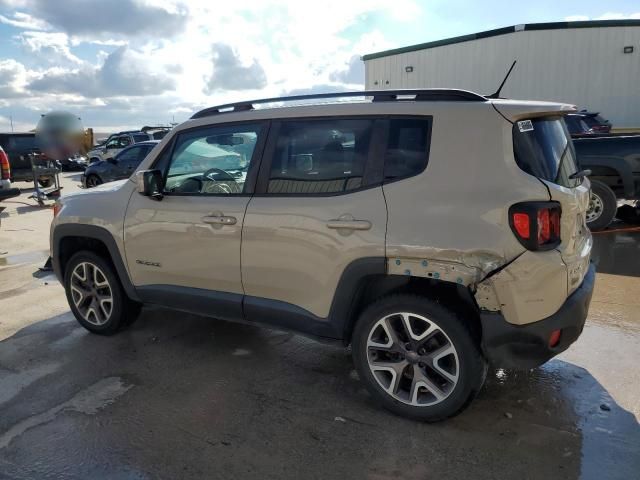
(602, 206)
(45, 182)
(465, 362)
(109, 316)
(93, 181)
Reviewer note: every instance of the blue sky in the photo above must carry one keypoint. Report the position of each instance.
(124, 63)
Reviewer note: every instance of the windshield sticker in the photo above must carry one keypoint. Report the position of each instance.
(525, 126)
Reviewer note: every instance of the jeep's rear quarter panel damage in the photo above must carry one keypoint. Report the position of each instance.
(531, 288)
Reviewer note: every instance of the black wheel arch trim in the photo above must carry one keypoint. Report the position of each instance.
(94, 232)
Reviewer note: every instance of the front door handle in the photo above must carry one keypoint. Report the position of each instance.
(219, 220)
(347, 222)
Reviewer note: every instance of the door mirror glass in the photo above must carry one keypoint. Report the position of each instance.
(150, 183)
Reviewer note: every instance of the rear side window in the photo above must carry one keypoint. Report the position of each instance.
(407, 150)
(137, 138)
(26, 142)
(320, 156)
(543, 148)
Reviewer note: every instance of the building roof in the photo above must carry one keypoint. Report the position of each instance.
(503, 31)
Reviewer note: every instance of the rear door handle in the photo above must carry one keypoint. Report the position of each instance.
(219, 220)
(349, 224)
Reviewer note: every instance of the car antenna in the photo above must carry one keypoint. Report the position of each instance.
(497, 93)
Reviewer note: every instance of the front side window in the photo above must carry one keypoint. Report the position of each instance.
(212, 160)
(131, 155)
(543, 148)
(407, 149)
(114, 143)
(320, 156)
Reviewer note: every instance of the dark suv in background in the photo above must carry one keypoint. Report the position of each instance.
(585, 123)
(18, 146)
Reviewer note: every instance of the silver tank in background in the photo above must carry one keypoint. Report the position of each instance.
(60, 135)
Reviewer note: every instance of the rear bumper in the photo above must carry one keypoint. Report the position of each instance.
(526, 346)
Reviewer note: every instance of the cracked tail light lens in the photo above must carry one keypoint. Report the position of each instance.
(536, 225)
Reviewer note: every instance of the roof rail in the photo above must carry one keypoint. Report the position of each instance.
(430, 95)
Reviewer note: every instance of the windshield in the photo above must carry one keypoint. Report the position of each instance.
(543, 148)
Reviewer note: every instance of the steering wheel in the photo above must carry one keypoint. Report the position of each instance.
(218, 175)
(220, 181)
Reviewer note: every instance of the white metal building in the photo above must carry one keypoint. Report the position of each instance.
(593, 64)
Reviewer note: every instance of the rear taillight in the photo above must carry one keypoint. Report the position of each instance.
(536, 224)
(5, 168)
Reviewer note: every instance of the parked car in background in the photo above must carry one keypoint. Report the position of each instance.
(368, 224)
(596, 122)
(115, 144)
(584, 123)
(156, 133)
(6, 190)
(614, 162)
(18, 147)
(122, 165)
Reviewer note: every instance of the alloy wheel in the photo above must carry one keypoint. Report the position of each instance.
(91, 293)
(596, 207)
(412, 359)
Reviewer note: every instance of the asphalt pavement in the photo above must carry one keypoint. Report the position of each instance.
(180, 396)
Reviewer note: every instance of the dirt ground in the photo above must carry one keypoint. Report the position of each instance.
(179, 396)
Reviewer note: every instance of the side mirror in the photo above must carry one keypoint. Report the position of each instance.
(150, 183)
(112, 160)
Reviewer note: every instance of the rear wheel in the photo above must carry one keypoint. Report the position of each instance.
(416, 358)
(602, 206)
(96, 296)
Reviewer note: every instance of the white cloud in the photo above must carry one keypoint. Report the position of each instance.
(618, 16)
(13, 77)
(604, 16)
(24, 20)
(49, 46)
(276, 46)
(577, 18)
(124, 72)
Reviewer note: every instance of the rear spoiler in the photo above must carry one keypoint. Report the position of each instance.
(514, 110)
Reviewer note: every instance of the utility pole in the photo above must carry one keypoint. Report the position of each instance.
(11, 121)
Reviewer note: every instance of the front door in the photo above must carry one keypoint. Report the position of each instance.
(184, 251)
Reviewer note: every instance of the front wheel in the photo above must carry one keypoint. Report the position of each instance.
(93, 181)
(96, 296)
(602, 206)
(416, 358)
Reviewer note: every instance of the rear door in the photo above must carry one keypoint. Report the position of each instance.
(543, 148)
(318, 207)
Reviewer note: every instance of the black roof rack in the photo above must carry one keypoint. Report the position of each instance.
(430, 95)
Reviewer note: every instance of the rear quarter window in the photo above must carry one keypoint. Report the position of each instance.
(543, 148)
(407, 150)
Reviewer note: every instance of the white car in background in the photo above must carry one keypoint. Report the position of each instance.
(115, 144)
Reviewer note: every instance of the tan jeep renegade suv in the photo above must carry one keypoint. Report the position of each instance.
(434, 231)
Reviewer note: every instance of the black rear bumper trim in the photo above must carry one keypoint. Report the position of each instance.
(526, 346)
